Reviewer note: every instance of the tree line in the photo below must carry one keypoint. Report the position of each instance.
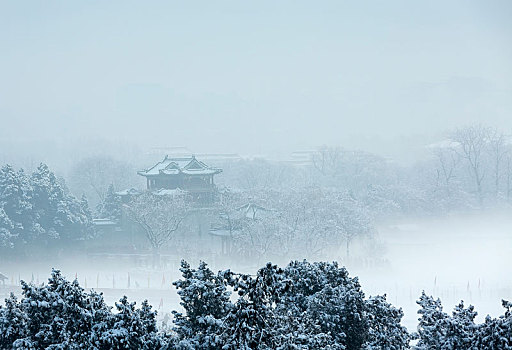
(301, 306)
(338, 197)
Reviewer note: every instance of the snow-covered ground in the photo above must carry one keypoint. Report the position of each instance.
(466, 257)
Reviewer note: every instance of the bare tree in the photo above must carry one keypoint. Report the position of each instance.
(448, 160)
(327, 160)
(93, 175)
(499, 147)
(508, 176)
(258, 174)
(307, 223)
(348, 219)
(258, 238)
(472, 146)
(227, 217)
(159, 217)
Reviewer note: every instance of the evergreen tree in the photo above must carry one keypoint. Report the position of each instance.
(15, 200)
(431, 327)
(7, 233)
(129, 328)
(85, 222)
(60, 315)
(205, 299)
(460, 328)
(13, 322)
(302, 306)
(60, 215)
(38, 209)
(252, 322)
(385, 330)
(49, 201)
(273, 309)
(335, 301)
(57, 313)
(496, 333)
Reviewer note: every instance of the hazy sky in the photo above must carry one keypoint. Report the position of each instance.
(252, 76)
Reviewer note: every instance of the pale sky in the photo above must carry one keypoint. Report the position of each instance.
(252, 76)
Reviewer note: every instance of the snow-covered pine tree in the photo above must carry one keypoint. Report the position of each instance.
(57, 313)
(13, 322)
(130, 328)
(340, 311)
(432, 323)
(496, 333)
(335, 301)
(48, 201)
(252, 323)
(15, 199)
(385, 330)
(205, 299)
(460, 328)
(7, 233)
(60, 315)
(59, 214)
(86, 228)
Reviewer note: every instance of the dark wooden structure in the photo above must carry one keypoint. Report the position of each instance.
(187, 174)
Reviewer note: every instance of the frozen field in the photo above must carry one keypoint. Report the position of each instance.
(466, 257)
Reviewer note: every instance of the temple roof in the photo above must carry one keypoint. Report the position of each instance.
(175, 166)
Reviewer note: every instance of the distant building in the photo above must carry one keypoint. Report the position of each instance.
(174, 152)
(220, 158)
(184, 173)
(302, 159)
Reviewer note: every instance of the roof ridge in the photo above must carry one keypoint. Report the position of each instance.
(181, 164)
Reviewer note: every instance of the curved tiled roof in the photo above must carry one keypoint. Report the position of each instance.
(175, 166)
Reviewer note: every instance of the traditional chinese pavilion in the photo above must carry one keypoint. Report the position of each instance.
(186, 173)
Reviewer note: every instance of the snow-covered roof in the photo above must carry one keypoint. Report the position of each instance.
(180, 151)
(443, 144)
(220, 157)
(223, 233)
(251, 210)
(129, 192)
(183, 165)
(103, 222)
(166, 192)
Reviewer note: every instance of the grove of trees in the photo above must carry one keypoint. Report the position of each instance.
(322, 207)
(338, 198)
(307, 223)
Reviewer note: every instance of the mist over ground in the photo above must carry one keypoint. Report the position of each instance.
(133, 136)
(464, 257)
